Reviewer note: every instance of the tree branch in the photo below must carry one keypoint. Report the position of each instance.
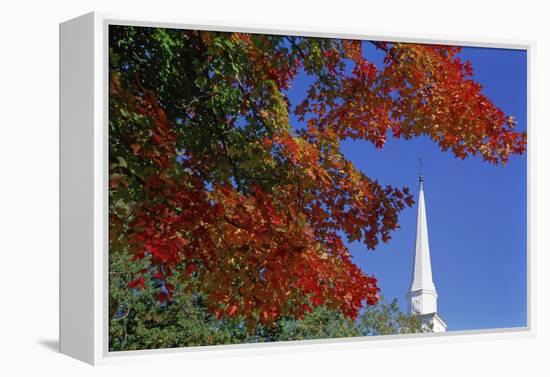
(297, 47)
(379, 45)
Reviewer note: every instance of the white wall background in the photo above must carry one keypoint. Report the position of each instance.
(29, 184)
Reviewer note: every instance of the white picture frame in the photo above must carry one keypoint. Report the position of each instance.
(83, 192)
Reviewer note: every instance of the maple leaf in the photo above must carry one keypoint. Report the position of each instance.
(137, 283)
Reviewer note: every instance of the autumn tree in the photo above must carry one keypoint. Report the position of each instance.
(138, 321)
(209, 176)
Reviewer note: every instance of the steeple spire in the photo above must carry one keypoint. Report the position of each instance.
(422, 294)
(422, 272)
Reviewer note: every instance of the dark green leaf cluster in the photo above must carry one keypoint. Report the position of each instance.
(139, 321)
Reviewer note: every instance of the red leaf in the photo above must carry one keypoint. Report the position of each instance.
(137, 283)
(190, 269)
(231, 310)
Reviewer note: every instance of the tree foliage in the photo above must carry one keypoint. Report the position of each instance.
(386, 318)
(139, 321)
(209, 177)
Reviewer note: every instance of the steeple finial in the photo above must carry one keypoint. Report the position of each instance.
(421, 177)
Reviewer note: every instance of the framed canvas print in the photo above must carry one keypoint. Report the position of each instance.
(224, 186)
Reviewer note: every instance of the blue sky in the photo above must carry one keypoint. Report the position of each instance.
(477, 213)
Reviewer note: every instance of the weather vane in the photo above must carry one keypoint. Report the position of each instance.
(421, 163)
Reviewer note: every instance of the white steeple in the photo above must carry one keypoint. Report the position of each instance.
(422, 295)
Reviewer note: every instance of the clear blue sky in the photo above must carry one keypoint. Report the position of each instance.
(477, 213)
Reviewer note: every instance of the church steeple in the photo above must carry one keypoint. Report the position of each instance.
(422, 271)
(422, 295)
